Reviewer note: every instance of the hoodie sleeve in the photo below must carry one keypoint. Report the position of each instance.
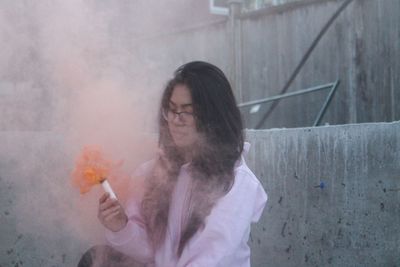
(132, 240)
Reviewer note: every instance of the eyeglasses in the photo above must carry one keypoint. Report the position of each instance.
(184, 116)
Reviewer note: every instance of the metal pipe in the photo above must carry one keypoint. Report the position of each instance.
(326, 104)
(300, 92)
(235, 9)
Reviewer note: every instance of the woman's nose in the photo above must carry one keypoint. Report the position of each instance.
(177, 119)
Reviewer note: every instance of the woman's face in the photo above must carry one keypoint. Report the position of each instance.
(181, 122)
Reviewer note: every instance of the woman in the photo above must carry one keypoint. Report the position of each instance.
(200, 197)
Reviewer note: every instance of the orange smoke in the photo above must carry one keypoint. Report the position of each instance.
(91, 168)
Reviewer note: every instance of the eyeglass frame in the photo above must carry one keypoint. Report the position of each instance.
(165, 111)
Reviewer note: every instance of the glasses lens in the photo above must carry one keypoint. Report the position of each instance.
(169, 115)
(185, 116)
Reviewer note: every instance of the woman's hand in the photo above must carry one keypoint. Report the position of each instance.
(111, 214)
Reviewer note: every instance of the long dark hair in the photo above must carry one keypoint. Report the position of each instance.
(219, 123)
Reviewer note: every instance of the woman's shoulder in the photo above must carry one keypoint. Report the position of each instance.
(249, 190)
(243, 174)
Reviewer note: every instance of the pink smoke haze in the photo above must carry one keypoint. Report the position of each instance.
(70, 77)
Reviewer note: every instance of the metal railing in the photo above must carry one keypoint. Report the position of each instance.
(333, 86)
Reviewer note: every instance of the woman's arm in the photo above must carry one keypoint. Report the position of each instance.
(131, 239)
(126, 232)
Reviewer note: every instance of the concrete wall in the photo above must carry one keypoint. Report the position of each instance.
(360, 48)
(353, 221)
(35, 226)
(271, 42)
(139, 46)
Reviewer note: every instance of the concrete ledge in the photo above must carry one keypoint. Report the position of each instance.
(353, 220)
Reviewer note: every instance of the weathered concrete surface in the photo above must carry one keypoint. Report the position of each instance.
(36, 201)
(274, 43)
(353, 221)
(31, 221)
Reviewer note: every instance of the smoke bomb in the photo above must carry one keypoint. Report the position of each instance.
(107, 187)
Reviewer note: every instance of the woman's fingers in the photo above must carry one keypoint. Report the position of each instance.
(107, 212)
(112, 215)
(104, 197)
(109, 207)
(108, 203)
